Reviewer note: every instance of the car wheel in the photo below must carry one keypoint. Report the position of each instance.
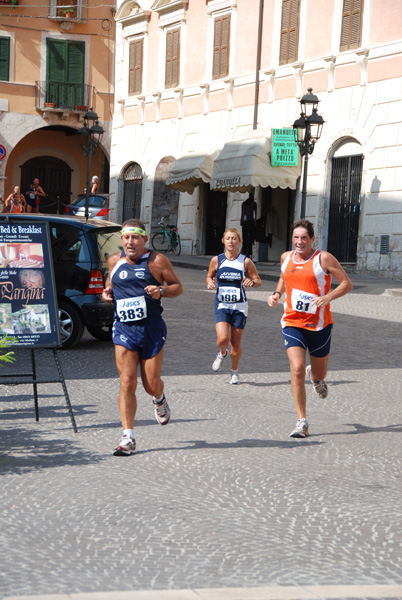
(104, 334)
(71, 325)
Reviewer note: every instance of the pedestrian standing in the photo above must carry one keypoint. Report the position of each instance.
(247, 221)
(231, 272)
(136, 284)
(94, 184)
(34, 194)
(307, 321)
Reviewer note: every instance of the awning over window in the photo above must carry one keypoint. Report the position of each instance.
(245, 163)
(191, 169)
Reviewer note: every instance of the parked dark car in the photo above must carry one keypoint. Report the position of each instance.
(98, 207)
(80, 251)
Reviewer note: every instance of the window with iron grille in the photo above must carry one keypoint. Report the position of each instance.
(289, 31)
(352, 17)
(172, 65)
(4, 58)
(220, 66)
(136, 54)
(62, 9)
(65, 72)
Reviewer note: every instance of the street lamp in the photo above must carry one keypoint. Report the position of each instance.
(308, 128)
(89, 138)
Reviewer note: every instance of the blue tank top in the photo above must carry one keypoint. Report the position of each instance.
(229, 275)
(133, 305)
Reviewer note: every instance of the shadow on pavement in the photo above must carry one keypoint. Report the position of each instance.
(23, 450)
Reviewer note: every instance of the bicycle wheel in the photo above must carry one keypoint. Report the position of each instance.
(176, 245)
(160, 242)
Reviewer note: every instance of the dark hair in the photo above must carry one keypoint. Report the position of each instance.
(133, 223)
(306, 225)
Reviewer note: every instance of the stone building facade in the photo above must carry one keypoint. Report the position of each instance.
(56, 61)
(194, 77)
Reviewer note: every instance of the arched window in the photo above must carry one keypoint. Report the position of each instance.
(132, 180)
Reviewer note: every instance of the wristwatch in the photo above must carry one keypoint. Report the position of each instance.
(161, 291)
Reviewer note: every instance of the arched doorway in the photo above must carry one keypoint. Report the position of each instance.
(132, 188)
(165, 202)
(55, 179)
(344, 203)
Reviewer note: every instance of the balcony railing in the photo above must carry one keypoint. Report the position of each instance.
(64, 96)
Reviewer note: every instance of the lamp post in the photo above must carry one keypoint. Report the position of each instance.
(308, 128)
(89, 136)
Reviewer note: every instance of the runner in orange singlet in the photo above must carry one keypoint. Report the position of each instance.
(307, 320)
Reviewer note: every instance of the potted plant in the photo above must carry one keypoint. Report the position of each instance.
(69, 12)
(50, 104)
(81, 107)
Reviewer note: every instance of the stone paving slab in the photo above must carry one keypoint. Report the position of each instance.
(220, 499)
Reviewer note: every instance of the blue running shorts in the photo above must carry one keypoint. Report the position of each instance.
(148, 340)
(234, 317)
(317, 343)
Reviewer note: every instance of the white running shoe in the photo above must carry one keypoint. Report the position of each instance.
(301, 429)
(320, 385)
(218, 362)
(126, 447)
(235, 377)
(162, 411)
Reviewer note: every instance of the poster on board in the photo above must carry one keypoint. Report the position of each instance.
(28, 300)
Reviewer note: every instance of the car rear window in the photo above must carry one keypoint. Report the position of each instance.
(97, 201)
(108, 243)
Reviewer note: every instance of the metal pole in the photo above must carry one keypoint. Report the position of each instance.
(307, 149)
(304, 187)
(88, 179)
(258, 64)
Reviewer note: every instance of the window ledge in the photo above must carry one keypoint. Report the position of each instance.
(68, 19)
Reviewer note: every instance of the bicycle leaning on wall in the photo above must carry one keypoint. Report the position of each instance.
(166, 239)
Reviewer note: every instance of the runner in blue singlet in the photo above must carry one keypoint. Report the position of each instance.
(232, 272)
(135, 284)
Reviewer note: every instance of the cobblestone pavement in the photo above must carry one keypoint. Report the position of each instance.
(221, 503)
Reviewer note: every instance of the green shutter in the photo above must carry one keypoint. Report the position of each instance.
(4, 58)
(55, 60)
(65, 72)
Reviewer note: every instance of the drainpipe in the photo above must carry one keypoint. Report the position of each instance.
(258, 65)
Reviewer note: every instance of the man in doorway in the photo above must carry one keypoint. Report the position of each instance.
(136, 283)
(247, 221)
(307, 320)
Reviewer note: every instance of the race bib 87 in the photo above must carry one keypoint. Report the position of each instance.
(228, 294)
(301, 302)
(131, 309)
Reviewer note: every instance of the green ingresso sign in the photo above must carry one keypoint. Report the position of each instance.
(285, 151)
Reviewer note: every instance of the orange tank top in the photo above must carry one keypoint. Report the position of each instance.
(15, 208)
(304, 281)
